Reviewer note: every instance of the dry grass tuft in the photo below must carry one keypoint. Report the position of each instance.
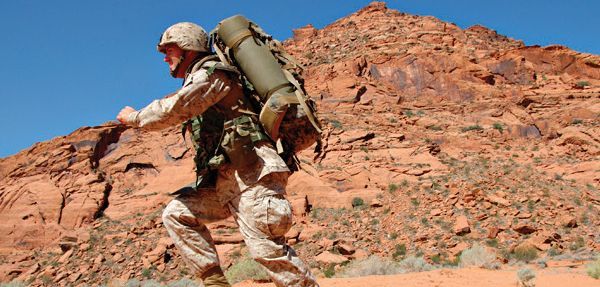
(373, 265)
(478, 256)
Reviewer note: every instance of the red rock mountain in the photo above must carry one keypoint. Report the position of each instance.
(435, 137)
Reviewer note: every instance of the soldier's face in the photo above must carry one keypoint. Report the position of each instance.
(173, 56)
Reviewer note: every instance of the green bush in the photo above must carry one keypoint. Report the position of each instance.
(400, 251)
(472, 128)
(146, 272)
(593, 269)
(492, 242)
(576, 121)
(246, 269)
(357, 201)
(525, 253)
(499, 127)
(336, 124)
(582, 84)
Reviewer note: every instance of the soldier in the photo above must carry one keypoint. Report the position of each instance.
(240, 173)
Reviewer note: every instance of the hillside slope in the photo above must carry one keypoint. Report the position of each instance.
(436, 138)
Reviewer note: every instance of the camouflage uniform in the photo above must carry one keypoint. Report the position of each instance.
(253, 192)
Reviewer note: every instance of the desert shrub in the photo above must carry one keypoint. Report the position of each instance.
(499, 127)
(582, 84)
(415, 264)
(246, 269)
(133, 283)
(478, 256)
(151, 283)
(576, 121)
(371, 266)
(336, 124)
(526, 277)
(400, 251)
(184, 282)
(525, 253)
(357, 201)
(329, 271)
(472, 128)
(577, 244)
(553, 251)
(492, 242)
(13, 283)
(147, 272)
(593, 269)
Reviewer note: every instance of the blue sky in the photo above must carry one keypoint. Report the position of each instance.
(67, 64)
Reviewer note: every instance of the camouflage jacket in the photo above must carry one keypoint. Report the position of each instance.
(215, 95)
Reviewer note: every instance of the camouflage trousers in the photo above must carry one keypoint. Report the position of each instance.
(262, 214)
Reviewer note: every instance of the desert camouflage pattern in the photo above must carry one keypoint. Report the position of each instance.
(252, 194)
(186, 35)
(200, 91)
(262, 214)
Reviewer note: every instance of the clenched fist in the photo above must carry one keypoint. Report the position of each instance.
(123, 115)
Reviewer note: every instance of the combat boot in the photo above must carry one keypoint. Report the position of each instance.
(214, 277)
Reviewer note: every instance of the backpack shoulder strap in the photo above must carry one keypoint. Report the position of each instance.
(211, 63)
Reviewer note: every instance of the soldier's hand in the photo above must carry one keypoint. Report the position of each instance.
(123, 115)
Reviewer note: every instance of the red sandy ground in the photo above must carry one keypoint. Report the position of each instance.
(549, 277)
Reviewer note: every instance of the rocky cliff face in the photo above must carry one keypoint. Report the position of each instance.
(435, 137)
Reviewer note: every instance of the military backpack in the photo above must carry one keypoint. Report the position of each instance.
(272, 78)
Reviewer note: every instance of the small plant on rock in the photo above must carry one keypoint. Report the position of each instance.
(582, 84)
(357, 201)
(499, 127)
(472, 128)
(576, 121)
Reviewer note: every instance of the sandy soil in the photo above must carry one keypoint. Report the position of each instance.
(549, 277)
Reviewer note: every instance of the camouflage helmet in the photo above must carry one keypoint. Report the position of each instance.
(186, 35)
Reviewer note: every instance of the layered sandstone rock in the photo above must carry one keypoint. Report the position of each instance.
(435, 136)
